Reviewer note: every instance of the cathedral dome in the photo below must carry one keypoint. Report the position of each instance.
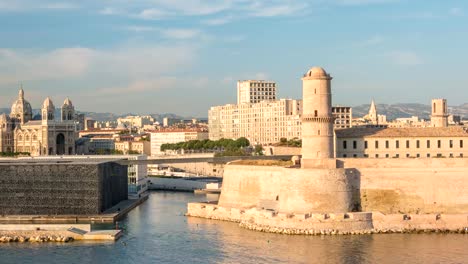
(68, 102)
(48, 104)
(21, 108)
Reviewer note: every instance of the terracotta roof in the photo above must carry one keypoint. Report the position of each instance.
(376, 132)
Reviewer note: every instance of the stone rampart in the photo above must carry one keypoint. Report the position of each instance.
(287, 190)
(411, 185)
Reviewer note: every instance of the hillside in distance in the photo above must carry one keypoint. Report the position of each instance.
(103, 116)
(393, 111)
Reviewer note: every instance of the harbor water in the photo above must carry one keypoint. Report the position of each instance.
(158, 232)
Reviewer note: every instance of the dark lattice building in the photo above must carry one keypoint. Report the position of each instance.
(61, 187)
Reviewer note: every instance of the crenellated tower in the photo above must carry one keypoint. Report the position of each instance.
(317, 119)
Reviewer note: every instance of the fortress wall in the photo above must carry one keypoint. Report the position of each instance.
(287, 190)
(412, 185)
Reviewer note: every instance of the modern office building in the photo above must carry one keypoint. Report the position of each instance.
(43, 186)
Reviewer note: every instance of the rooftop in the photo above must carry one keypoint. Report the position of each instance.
(378, 132)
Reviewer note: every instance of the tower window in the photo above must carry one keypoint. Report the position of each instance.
(461, 143)
(397, 144)
(407, 144)
(365, 144)
(316, 113)
(417, 143)
(354, 144)
(376, 144)
(451, 143)
(428, 144)
(345, 144)
(387, 144)
(439, 144)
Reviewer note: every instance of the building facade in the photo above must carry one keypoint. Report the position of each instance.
(442, 142)
(342, 116)
(262, 123)
(42, 135)
(158, 138)
(136, 121)
(254, 91)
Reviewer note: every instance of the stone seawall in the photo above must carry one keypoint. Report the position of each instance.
(333, 223)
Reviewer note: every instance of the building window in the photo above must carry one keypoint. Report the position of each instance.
(387, 144)
(354, 155)
(365, 144)
(461, 155)
(354, 144)
(451, 143)
(376, 155)
(451, 155)
(387, 155)
(439, 144)
(397, 144)
(366, 155)
(417, 143)
(428, 155)
(407, 155)
(376, 144)
(397, 155)
(417, 155)
(345, 144)
(407, 144)
(344, 156)
(428, 144)
(461, 143)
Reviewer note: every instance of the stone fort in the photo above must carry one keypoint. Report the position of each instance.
(341, 194)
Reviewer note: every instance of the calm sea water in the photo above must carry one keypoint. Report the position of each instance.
(158, 232)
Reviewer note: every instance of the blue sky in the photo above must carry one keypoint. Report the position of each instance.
(183, 56)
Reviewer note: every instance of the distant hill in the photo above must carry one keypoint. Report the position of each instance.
(103, 116)
(393, 111)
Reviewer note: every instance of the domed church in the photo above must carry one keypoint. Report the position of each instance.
(19, 132)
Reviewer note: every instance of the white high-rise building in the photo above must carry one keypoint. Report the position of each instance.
(254, 91)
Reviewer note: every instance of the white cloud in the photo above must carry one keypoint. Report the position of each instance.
(364, 2)
(153, 14)
(456, 11)
(169, 33)
(180, 33)
(217, 21)
(405, 58)
(373, 41)
(261, 10)
(60, 5)
(127, 65)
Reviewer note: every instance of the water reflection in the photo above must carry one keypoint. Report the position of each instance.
(158, 232)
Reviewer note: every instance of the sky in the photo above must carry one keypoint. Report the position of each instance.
(184, 56)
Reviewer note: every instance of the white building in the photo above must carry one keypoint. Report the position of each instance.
(136, 121)
(261, 123)
(158, 138)
(252, 91)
